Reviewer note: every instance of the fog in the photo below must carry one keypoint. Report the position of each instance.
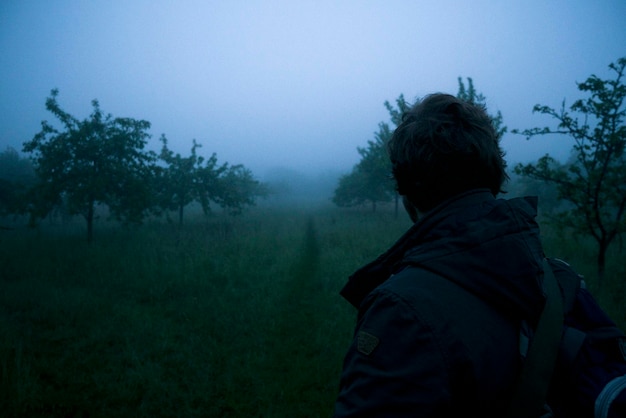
(295, 87)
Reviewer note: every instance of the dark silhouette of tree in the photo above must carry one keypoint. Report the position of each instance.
(370, 179)
(184, 180)
(595, 181)
(17, 175)
(395, 113)
(99, 160)
(351, 190)
(239, 188)
(469, 94)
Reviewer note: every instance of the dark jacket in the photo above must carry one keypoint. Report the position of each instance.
(439, 317)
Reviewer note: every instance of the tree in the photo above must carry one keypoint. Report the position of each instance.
(351, 190)
(370, 179)
(187, 179)
(396, 112)
(239, 188)
(99, 160)
(17, 175)
(595, 182)
(469, 94)
(396, 115)
(193, 179)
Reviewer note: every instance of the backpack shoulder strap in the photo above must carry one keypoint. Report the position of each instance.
(569, 281)
(530, 393)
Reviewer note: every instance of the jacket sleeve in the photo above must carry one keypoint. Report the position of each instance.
(396, 365)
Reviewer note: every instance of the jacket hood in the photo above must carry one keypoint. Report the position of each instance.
(490, 247)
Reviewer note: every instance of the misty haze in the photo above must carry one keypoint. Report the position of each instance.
(185, 188)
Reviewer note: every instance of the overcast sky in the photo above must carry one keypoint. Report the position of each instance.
(291, 83)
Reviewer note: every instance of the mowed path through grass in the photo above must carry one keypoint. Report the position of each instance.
(303, 363)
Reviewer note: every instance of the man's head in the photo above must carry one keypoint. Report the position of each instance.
(445, 146)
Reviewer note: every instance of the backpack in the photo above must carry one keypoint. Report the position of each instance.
(575, 366)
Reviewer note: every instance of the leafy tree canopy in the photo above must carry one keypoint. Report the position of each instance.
(370, 179)
(469, 94)
(98, 160)
(184, 180)
(239, 189)
(187, 179)
(595, 181)
(16, 176)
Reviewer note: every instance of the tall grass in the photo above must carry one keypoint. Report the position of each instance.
(581, 253)
(224, 317)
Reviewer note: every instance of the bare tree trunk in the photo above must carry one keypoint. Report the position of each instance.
(180, 214)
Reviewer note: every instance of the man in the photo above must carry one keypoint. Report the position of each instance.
(439, 319)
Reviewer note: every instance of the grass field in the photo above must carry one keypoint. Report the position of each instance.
(224, 317)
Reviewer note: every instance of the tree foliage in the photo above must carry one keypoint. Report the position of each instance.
(187, 179)
(370, 179)
(395, 113)
(351, 190)
(239, 189)
(17, 175)
(184, 180)
(99, 160)
(595, 182)
(469, 94)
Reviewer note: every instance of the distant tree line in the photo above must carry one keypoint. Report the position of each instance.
(587, 193)
(78, 165)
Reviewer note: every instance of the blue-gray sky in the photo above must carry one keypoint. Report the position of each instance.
(289, 83)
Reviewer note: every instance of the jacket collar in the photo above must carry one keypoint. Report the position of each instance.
(373, 274)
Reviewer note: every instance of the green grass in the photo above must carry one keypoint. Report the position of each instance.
(232, 317)
(581, 253)
(224, 317)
